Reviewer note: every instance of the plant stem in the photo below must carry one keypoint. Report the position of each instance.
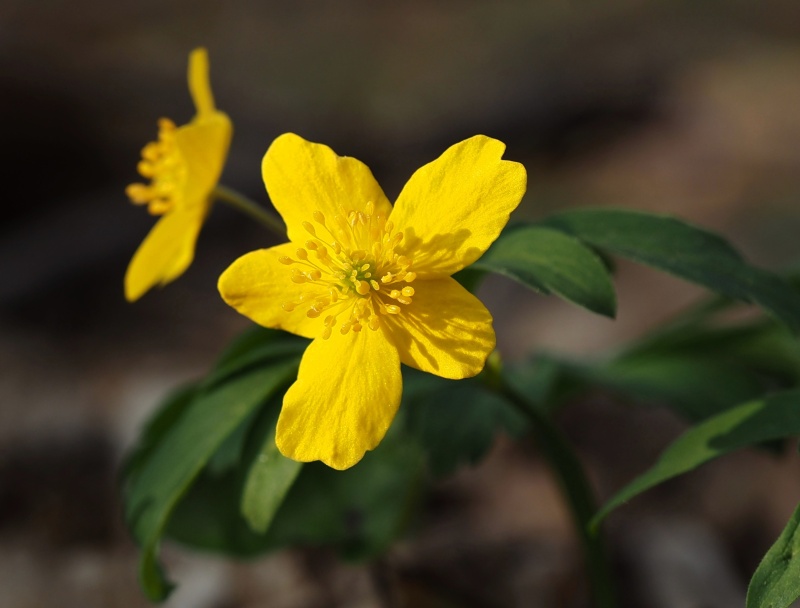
(569, 473)
(248, 207)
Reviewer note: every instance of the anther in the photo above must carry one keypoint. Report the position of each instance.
(285, 259)
(408, 291)
(315, 275)
(410, 276)
(370, 208)
(375, 285)
(319, 218)
(312, 245)
(362, 287)
(313, 313)
(309, 228)
(288, 306)
(392, 309)
(394, 294)
(356, 327)
(374, 322)
(302, 254)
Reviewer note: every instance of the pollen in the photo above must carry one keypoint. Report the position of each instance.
(355, 275)
(163, 164)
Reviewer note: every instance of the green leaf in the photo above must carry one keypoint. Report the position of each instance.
(684, 250)
(550, 261)
(359, 511)
(254, 347)
(182, 453)
(470, 278)
(776, 581)
(745, 425)
(696, 387)
(165, 417)
(269, 479)
(456, 423)
(229, 454)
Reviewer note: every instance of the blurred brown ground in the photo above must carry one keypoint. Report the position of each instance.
(681, 107)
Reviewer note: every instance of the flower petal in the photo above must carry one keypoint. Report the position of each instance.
(453, 208)
(303, 177)
(199, 81)
(203, 144)
(166, 252)
(346, 395)
(444, 331)
(257, 285)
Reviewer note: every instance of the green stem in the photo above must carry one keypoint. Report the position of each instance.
(248, 207)
(570, 475)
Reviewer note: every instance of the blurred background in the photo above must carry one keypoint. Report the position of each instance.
(680, 107)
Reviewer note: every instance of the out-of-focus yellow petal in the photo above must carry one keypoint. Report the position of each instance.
(200, 82)
(258, 284)
(453, 208)
(445, 331)
(165, 253)
(203, 145)
(347, 392)
(303, 177)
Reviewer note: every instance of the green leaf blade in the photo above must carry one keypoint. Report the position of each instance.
(163, 479)
(776, 581)
(269, 479)
(676, 247)
(748, 424)
(551, 262)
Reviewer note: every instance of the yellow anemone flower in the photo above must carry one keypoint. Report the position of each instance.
(371, 284)
(183, 167)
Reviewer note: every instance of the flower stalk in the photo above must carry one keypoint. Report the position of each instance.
(254, 210)
(570, 476)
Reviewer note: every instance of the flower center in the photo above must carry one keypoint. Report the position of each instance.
(163, 164)
(353, 273)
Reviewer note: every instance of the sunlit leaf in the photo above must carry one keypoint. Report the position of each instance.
(550, 261)
(776, 581)
(270, 476)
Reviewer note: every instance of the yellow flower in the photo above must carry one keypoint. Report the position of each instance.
(183, 167)
(371, 284)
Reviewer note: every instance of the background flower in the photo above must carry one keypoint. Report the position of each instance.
(183, 166)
